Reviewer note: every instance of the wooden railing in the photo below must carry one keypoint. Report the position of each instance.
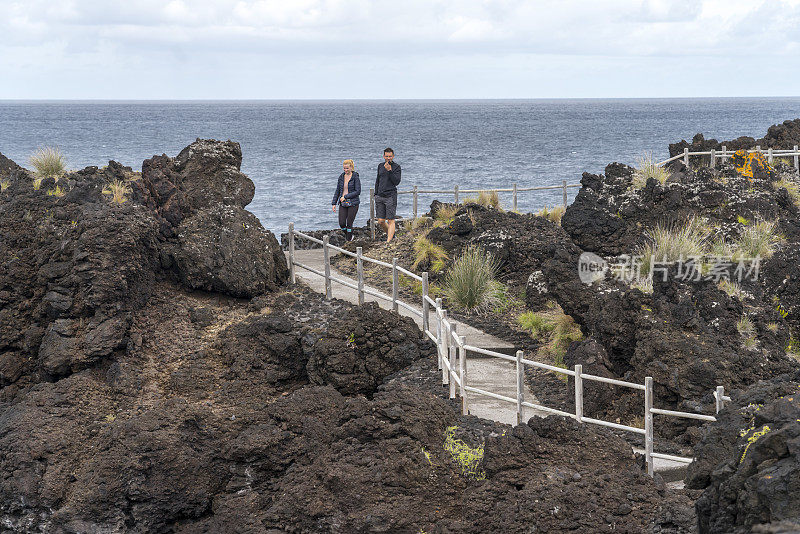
(452, 351)
(724, 154)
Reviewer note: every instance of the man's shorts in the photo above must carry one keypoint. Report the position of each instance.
(386, 207)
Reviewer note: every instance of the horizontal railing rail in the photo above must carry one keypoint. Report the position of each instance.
(452, 350)
(724, 154)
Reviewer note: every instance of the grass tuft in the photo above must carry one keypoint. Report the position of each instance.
(646, 168)
(745, 326)
(470, 283)
(428, 254)
(4, 184)
(445, 214)
(487, 199)
(553, 215)
(759, 239)
(673, 242)
(117, 189)
(48, 162)
(555, 329)
(792, 187)
(731, 288)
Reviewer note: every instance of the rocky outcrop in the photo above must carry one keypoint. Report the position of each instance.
(206, 174)
(78, 261)
(748, 462)
(779, 136)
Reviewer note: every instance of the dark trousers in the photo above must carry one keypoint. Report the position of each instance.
(346, 218)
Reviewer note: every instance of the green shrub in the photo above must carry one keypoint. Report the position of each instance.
(48, 162)
(673, 242)
(758, 239)
(553, 215)
(469, 459)
(646, 169)
(412, 225)
(470, 283)
(427, 253)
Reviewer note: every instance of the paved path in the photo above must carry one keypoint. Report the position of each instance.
(490, 374)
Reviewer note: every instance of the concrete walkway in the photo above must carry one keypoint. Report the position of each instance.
(489, 374)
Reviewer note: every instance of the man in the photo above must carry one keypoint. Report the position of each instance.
(386, 193)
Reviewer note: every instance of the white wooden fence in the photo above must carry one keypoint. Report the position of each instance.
(452, 351)
(724, 154)
(456, 192)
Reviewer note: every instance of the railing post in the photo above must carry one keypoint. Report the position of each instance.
(452, 371)
(724, 153)
(360, 268)
(686, 157)
(514, 198)
(372, 212)
(414, 202)
(579, 393)
(455, 193)
(462, 372)
(713, 158)
(564, 186)
(292, 277)
(758, 148)
(718, 394)
(326, 255)
(445, 345)
(395, 284)
(426, 307)
(648, 424)
(439, 331)
(520, 387)
(769, 155)
(796, 158)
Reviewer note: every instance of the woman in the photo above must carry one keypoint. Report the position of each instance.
(348, 190)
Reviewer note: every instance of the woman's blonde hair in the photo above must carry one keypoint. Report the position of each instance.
(351, 162)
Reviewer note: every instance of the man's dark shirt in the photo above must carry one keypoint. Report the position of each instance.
(387, 181)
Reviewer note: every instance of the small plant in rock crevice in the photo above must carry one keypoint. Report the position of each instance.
(471, 283)
(117, 189)
(56, 192)
(646, 168)
(444, 214)
(467, 458)
(553, 215)
(4, 185)
(731, 288)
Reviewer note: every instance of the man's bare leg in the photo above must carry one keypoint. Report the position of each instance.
(382, 224)
(390, 230)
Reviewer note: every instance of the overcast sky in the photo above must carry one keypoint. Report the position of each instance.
(287, 49)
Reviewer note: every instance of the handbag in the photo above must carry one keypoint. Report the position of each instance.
(346, 203)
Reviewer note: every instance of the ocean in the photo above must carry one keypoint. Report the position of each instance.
(293, 150)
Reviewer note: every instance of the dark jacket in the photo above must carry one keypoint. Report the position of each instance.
(387, 181)
(354, 188)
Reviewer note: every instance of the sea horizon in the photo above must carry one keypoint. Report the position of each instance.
(293, 149)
